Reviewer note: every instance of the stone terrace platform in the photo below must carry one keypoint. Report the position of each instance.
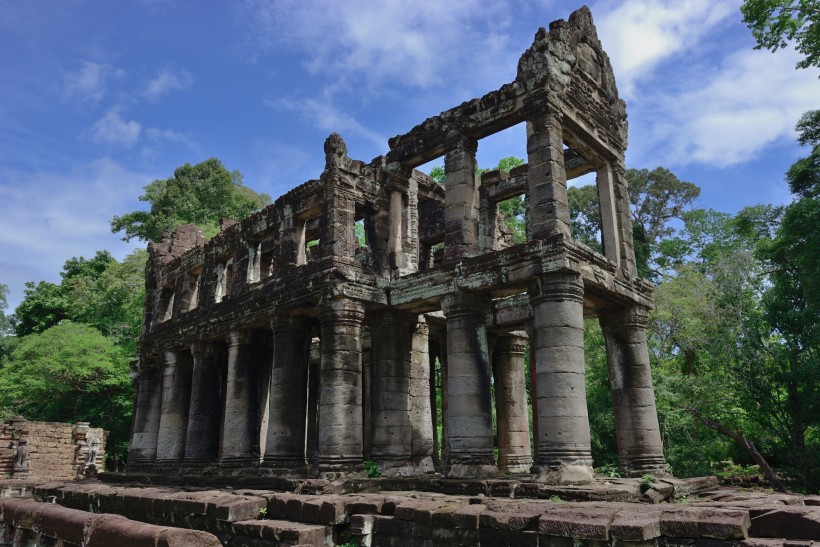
(688, 512)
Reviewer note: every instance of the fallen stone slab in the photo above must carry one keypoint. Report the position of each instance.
(705, 523)
(76, 527)
(791, 522)
(581, 522)
(635, 525)
(284, 532)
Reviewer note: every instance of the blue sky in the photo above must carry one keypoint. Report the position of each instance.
(99, 98)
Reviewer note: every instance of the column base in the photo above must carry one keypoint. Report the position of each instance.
(200, 466)
(472, 471)
(281, 465)
(338, 467)
(406, 468)
(515, 464)
(639, 467)
(564, 474)
(139, 463)
(239, 463)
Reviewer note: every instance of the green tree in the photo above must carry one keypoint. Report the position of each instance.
(657, 198)
(70, 372)
(7, 339)
(585, 215)
(787, 371)
(45, 304)
(775, 23)
(200, 194)
(100, 292)
(111, 301)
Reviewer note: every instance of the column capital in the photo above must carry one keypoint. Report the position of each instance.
(458, 144)
(238, 338)
(200, 348)
(511, 344)
(169, 358)
(464, 303)
(633, 317)
(397, 177)
(392, 318)
(341, 310)
(289, 323)
(557, 287)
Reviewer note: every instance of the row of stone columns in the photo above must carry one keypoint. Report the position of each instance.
(183, 417)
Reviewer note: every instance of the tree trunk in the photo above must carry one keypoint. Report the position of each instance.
(747, 445)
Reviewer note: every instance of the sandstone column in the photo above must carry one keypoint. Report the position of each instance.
(564, 453)
(143, 449)
(240, 442)
(176, 396)
(469, 403)
(340, 386)
(402, 437)
(202, 440)
(421, 409)
(547, 178)
(511, 404)
(392, 427)
(285, 446)
(461, 200)
(640, 448)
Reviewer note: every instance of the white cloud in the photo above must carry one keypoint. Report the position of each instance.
(419, 44)
(752, 99)
(165, 82)
(47, 217)
(324, 115)
(113, 129)
(89, 82)
(638, 35)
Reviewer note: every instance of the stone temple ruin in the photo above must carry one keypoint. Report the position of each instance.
(284, 345)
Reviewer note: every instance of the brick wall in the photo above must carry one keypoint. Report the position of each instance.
(55, 450)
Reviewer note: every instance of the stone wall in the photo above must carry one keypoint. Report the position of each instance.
(50, 450)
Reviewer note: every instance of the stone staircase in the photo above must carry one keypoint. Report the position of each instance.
(265, 518)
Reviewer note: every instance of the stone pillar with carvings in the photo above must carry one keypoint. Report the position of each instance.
(511, 404)
(240, 439)
(391, 424)
(143, 449)
(461, 200)
(340, 440)
(285, 445)
(176, 396)
(547, 178)
(640, 448)
(204, 414)
(564, 446)
(469, 402)
(421, 408)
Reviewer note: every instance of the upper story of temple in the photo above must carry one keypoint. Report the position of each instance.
(389, 236)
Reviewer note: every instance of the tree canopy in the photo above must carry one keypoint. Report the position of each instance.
(7, 340)
(198, 194)
(68, 373)
(775, 23)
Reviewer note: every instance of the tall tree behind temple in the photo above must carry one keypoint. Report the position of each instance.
(198, 194)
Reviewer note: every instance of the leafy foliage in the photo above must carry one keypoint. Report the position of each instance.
(7, 341)
(200, 194)
(98, 291)
(775, 23)
(585, 215)
(657, 198)
(69, 372)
